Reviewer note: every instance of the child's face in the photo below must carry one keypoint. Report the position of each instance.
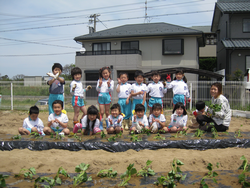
(33, 116)
(77, 77)
(123, 78)
(139, 79)
(214, 92)
(115, 112)
(105, 74)
(179, 111)
(139, 114)
(56, 70)
(92, 117)
(57, 109)
(156, 78)
(179, 76)
(157, 112)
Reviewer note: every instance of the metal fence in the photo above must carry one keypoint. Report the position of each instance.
(20, 95)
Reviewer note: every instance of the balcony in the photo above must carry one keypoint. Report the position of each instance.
(109, 52)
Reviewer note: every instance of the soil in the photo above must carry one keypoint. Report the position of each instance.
(49, 161)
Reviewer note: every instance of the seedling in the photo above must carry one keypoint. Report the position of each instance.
(184, 132)
(103, 135)
(238, 133)
(82, 176)
(198, 133)
(173, 175)
(107, 173)
(162, 131)
(214, 132)
(146, 171)
(159, 137)
(146, 131)
(246, 168)
(210, 175)
(127, 175)
(2, 180)
(112, 138)
(28, 173)
(135, 138)
(63, 172)
(17, 137)
(215, 108)
(36, 135)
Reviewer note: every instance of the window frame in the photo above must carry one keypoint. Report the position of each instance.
(243, 25)
(173, 53)
(122, 42)
(102, 46)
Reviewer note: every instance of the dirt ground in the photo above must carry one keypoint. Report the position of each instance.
(49, 161)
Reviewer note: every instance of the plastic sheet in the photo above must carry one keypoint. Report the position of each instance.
(121, 145)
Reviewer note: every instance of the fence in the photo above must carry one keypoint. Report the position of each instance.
(18, 95)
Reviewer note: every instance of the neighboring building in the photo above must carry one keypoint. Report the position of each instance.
(146, 47)
(231, 23)
(210, 40)
(32, 80)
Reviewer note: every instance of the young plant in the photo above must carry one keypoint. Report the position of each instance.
(127, 175)
(107, 173)
(198, 133)
(135, 138)
(159, 137)
(62, 171)
(214, 132)
(2, 180)
(112, 138)
(210, 175)
(184, 132)
(17, 137)
(146, 131)
(238, 133)
(215, 108)
(173, 175)
(49, 180)
(246, 168)
(103, 135)
(35, 135)
(27, 173)
(82, 176)
(146, 171)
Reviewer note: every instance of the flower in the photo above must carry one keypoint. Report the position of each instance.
(64, 111)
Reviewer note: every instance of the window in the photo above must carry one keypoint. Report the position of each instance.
(246, 25)
(247, 62)
(101, 48)
(173, 47)
(130, 45)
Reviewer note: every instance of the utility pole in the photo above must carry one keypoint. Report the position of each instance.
(93, 19)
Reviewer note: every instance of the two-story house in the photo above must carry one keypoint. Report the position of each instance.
(146, 47)
(231, 23)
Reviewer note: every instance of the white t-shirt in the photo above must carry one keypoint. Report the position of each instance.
(114, 120)
(125, 90)
(104, 87)
(62, 118)
(178, 121)
(78, 90)
(143, 120)
(137, 88)
(29, 123)
(179, 87)
(85, 123)
(161, 117)
(156, 89)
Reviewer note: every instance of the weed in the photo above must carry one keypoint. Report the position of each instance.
(28, 173)
(127, 175)
(246, 168)
(145, 171)
(159, 137)
(210, 175)
(136, 138)
(2, 180)
(198, 133)
(173, 175)
(17, 137)
(107, 173)
(82, 176)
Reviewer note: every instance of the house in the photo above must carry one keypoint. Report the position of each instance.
(231, 23)
(146, 47)
(32, 80)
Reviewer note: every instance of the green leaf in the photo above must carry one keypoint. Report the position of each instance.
(205, 186)
(133, 171)
(148, 162)
(58, 181)
(214, 174)
(214, 180)
(178, 169)
(243, 157)
(33, 170)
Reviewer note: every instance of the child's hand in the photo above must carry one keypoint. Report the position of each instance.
(135, 118)
(141, 92)
(164, 83)
(153, 120)
(127, 101)
(141, 124)
(119, 120)
(88, 87)
(110, 121)
(73, 88)
(100, 82)
(108, 82)
(157, 120)
(119, 81)
(57, 121)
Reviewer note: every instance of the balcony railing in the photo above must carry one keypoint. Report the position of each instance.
(109, 52)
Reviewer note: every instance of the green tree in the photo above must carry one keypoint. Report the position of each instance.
(66, 73)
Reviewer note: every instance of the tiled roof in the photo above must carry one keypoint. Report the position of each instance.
(140, 30)
(205, 28)
(236, 43)
(239, 7)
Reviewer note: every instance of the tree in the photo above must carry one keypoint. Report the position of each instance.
(236, 76)
(18, 77)
(66, 73)
(5, 78)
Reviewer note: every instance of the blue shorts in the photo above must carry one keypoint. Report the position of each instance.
(56, 130)
(52, 98)
(138, 101)
(104, 98)
(29, 129)
(154, 100)
(77, 101)
(179, 98)
(125, 108)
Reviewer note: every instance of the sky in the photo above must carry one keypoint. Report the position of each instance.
(36, 34)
